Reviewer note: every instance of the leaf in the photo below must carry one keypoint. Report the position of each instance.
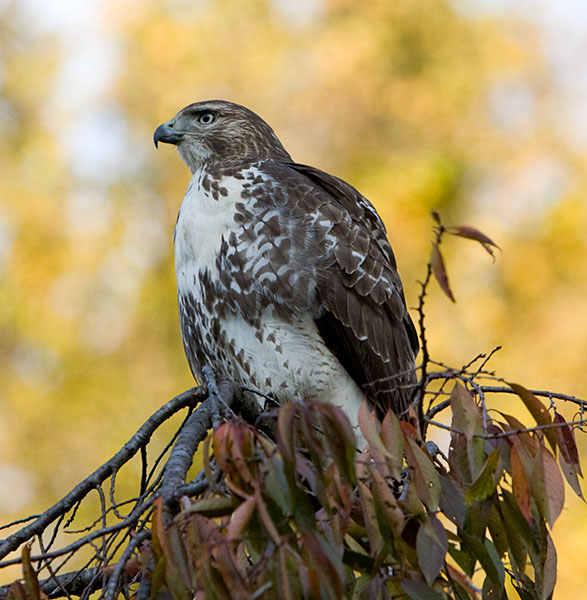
(368, 427)
(240, 518)
(30, 576)
(17, 591)
(452, 501)
(571, 475)
(218, 506)
(386, 504)
(537, 410)
(340, 440)
(518, 532)
(286, 427)
(431, 547)
(566, 442)
(370, 517)
(547, 486)
(418, 590)
(466, 231)
(423, 474)
(391, 435)
(484, 485)
(520, 483)
(439, 271)
(465, 412)
(548, 570)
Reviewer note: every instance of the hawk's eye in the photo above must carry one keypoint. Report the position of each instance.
(206, 118)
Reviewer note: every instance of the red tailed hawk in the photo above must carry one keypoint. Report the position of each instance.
(286, 280)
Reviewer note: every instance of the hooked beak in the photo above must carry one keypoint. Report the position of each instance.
(166, 133)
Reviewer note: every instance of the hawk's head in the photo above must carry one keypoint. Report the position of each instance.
(218, 130)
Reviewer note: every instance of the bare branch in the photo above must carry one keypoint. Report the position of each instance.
(138, 440)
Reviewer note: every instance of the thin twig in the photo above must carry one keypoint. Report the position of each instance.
(138, 440)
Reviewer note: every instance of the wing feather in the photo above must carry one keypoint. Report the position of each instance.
(357, 295)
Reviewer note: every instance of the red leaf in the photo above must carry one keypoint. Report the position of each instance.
(566, 442)
(439, 270)
(466, 231)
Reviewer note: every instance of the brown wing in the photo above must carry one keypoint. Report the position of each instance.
(359, 303)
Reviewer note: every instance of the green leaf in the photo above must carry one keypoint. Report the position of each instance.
(218, 506)
(452, 500)
(519, 534)
(418, 590)
(466, 417)
(368, 427)
(391, 435)
(484, 485)
(431, 547)
(370, 517)
(423, 474)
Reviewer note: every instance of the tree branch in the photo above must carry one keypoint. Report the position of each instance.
(137, 441)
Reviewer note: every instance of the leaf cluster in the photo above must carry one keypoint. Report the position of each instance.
(305, 516)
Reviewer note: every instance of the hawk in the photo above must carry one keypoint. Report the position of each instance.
(286, 280)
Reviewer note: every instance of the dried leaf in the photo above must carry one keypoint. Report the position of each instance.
(566, 442)
(30, 576)
(520, 483)
(439, 271)
(471, 233)
(537, 410)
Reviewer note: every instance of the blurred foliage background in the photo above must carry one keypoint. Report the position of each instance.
(474, 108)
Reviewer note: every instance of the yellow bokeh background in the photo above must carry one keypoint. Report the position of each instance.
(473, 108)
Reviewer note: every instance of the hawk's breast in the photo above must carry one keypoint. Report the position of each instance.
(229, 250)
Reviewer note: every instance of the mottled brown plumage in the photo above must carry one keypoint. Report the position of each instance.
(286, 279)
